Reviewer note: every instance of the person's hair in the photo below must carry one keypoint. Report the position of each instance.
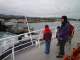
(46, 26)
(65, 20)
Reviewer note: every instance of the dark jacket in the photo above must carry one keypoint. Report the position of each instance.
(64, 31)
(47, 34)
(58, 34)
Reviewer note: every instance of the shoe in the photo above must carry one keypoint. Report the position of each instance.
(59, 56)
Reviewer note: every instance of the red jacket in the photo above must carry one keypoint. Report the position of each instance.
(47, 34)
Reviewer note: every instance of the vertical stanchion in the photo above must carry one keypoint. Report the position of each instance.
(13, 50)
(39, 38)
(29, 30)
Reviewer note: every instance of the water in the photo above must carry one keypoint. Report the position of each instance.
(53, 25)
(5, 34)
(37, 26)
(78, 25)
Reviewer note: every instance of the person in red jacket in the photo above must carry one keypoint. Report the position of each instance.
(47, 35)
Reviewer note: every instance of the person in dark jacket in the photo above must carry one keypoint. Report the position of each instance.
(58, 35)
(47, 35)
(63, 35)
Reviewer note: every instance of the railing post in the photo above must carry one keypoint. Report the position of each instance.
(29, 30)
(13, 57)
(39, 38)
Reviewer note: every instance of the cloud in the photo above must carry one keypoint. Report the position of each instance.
(41, 7)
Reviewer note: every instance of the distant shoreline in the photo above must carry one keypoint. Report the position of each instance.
(41, 22)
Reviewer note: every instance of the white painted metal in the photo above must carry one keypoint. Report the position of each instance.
(29, 30)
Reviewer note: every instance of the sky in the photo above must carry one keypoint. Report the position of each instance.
(41, 8)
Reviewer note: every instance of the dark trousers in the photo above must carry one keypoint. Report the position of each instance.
(47, 47)
(62, 47)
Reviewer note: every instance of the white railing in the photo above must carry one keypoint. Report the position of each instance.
(11, 41)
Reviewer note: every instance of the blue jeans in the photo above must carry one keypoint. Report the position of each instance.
(47, 47)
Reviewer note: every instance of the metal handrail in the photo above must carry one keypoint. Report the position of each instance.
(19, 40)
(15, 47)
(16, 51)
(18, 35)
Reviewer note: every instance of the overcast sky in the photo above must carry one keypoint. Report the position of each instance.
(42, 8)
